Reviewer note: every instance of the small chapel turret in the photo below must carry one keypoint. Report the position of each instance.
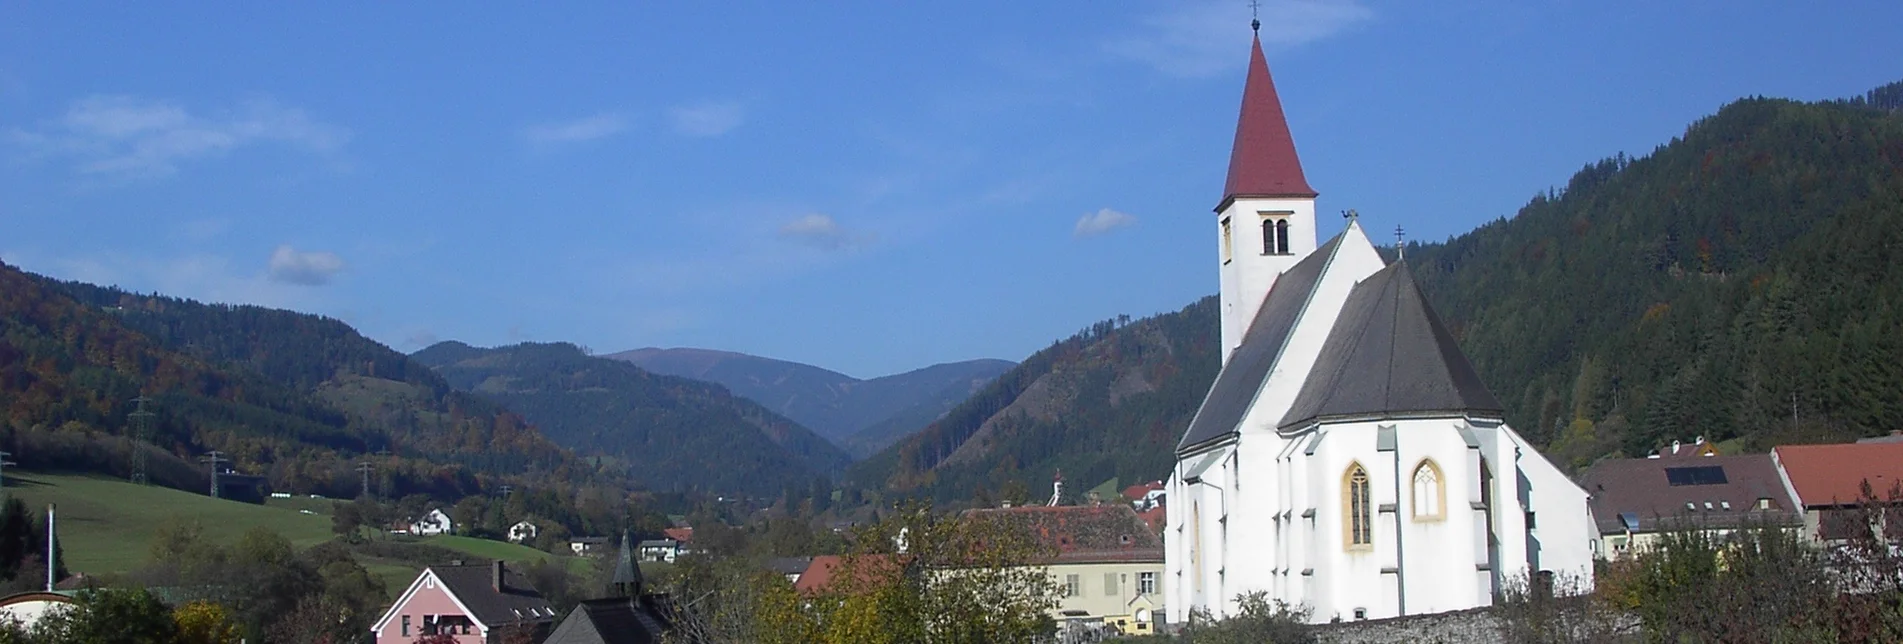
(1266, 219)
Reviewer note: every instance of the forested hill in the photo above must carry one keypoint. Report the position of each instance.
(1747, 270)
(1109, 402)
(670, 432)
(298, 399)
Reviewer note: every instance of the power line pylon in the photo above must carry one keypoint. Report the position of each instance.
(141, 434)
(363, 470)
(215, 458)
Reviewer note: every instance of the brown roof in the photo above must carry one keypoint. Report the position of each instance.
(1834, 474)
(1640, 494)
(1263, 163)
(682, 535)
(1083, 534)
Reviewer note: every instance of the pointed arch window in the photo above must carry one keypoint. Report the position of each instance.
(1430, 492)
(1358, 517)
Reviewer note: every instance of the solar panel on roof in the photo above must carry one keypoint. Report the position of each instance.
(1702, 475)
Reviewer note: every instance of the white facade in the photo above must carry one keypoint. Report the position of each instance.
(522, 531)
(1252, 258)
(433, 523)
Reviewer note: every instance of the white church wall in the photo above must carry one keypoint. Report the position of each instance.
(1247, 272)
(1562, 517)
(1349, 578)
(1440, 559)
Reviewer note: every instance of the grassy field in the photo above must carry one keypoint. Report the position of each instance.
(106, 525)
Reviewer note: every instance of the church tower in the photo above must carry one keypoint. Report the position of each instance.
(1266, 220)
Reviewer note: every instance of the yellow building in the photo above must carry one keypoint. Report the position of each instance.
(1107, 563)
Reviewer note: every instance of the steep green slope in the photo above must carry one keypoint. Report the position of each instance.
(1746, 271)
(672, 433)
(835, 405)
(1109, 402)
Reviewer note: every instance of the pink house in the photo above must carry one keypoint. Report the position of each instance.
(479, 604)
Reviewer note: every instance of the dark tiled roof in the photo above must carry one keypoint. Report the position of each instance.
(613, 621)
(1082, 534)
(1827, 475)
(1638, 494)
(790, 565)
(475, 588)
(1241, 378)
(1389, 356)
(1263, 162)
(627, 572)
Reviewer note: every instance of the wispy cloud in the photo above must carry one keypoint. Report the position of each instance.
(707, 119)
(312, 268)
(1102, 221)
(127, 136)
(1202, 38)
(599, 126)
(822, 232)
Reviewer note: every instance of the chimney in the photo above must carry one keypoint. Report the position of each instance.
(495, 577)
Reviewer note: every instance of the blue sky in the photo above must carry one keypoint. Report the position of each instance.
(868, 187)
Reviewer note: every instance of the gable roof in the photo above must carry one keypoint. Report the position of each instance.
(1649, 494)
(1081, 534)
(1262, 163)
(613, 621)
(1241, 377)
(1140, 490)
(1389, 356)
(474, 586)
(868, 570)
(1826, 475)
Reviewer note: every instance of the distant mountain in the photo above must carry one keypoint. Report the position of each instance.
(1109, 402)
(670, 432)
(1749, 266)
(841, 408)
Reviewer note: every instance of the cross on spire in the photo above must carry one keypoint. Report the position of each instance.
(1400, 242)
(1255, 15)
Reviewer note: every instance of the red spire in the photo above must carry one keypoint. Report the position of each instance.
(1263, 162)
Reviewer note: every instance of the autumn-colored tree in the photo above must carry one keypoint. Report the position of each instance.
(202, 622)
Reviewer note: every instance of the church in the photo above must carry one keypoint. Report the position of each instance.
(1347, 458)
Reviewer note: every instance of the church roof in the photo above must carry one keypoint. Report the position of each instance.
(1263, 162)
(1241, 378)
(1390, 356)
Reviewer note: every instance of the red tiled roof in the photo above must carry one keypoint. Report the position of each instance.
(1834, 474)
(818, 577)
(1154, 518)
(1140, 490)
(1083, 534)
(683, 535)
(1263, 162)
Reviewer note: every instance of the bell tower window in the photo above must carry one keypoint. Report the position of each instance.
(1227, 241)
(1275, 233)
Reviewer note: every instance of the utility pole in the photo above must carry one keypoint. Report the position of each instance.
(363, 469)
(4, 462)
(215, 458)
(141, 433)
(506, 489)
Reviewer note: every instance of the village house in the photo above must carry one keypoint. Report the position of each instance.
(660, 550)
(588, 546)
(1106, 562)
(790, 567)
(1347, 457)
(475, 604)
(1829, 482)
(433, 523)
(523, 531)
(1634, 500)
(28, 608)
(1145, 496)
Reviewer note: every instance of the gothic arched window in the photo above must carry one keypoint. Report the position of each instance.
(1430, 492)
(1359, 519)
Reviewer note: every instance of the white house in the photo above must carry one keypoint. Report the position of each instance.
(1347, 457)
(661, 550)
(431, 524)
(522, 531)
